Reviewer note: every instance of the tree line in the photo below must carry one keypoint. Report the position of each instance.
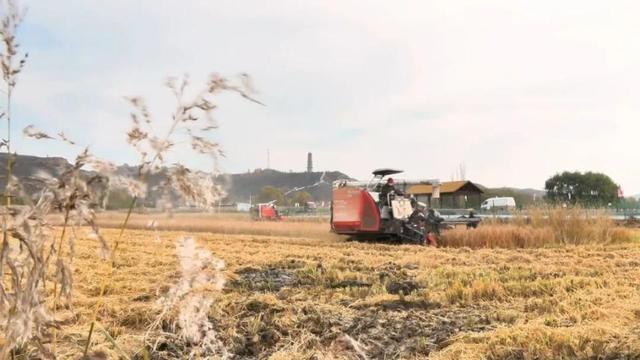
(590, 189)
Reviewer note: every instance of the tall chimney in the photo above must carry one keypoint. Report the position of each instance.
(309, 162)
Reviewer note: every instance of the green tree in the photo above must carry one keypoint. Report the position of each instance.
(589, 189)
(270, 193)
(301, 197)
(118, 199)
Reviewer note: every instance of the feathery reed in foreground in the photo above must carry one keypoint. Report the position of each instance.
(36, 266)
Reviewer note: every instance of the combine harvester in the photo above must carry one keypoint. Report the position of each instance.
(266, 212)
(269, 211)
(358, 211)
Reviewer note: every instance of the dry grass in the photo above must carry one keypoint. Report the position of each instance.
(239, 223)
(300, 297)
(542, 227)
(514, 236)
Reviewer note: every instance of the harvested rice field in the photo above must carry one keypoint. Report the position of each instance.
(324, 297)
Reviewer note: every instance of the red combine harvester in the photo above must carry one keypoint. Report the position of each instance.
(359, 209)
(266, 211)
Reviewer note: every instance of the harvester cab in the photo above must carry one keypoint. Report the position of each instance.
(391, 202)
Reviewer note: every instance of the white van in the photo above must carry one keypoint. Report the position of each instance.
(498, 203)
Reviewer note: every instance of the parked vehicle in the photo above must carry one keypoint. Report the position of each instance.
(310, 207)
(498, 203)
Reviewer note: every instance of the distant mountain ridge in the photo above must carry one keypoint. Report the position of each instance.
(239, 187)
(526, 191)
(26, 168)
(245, 186)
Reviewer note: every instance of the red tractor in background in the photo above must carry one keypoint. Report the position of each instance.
(266, 212)
(358, 210)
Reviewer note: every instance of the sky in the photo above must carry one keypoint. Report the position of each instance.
(515, 90)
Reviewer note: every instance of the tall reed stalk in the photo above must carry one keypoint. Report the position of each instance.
(193, 117)
(31, 257)
(12, 64)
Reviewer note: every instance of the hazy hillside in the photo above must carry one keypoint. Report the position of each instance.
(238, 186)
(26, 167)
(241, 186)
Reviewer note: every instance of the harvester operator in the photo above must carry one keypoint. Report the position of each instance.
(387, 189)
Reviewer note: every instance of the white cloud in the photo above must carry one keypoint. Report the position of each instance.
(516, 89)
